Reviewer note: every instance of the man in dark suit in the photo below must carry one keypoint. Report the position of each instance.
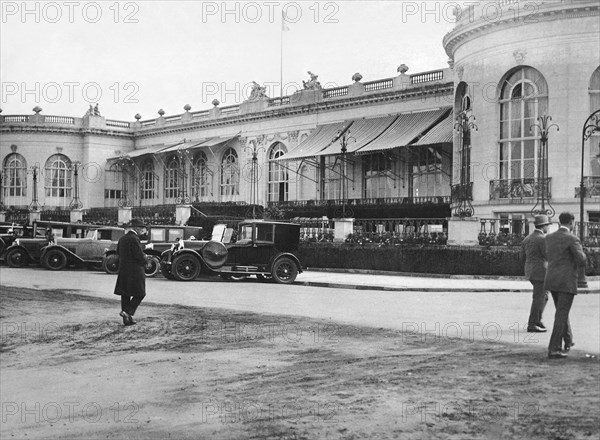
(564, 254)
(534, 252)
(131, 281)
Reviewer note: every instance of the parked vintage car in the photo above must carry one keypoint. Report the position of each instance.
(57, 245)
(9, 232)
(159, 238)
(265, 249)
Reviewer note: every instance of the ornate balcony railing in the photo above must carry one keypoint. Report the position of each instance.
(155, 215)
(373, 201)
(502, 232)
(519, 188)
(397, 231)
(315, 229)
(56, 215)
(461, 196)
(101, 216)
(591, 233)
(591, 186)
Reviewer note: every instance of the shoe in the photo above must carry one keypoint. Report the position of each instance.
(127, 320)
(536, 329)
(568, 346)
(556, 354)
(541, 325)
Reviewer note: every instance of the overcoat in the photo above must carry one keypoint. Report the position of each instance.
(564, 254)
(534, 252)
(132, 261)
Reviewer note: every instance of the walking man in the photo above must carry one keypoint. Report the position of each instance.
(131, 281)
(564, 254)
(534, 251)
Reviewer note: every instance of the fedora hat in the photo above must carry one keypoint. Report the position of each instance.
(541, 220)
(136, 223)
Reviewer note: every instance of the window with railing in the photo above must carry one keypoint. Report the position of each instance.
(15, 176)
(278, 175)
(524, 98)
(58, 176)
(230, 174)
(200, 177)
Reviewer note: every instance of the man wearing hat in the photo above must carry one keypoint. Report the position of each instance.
(565, 255)
(131, 281)
(534, 252)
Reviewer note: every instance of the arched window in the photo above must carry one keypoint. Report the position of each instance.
(594, 142)
(200, 176)
(172, 176)
(595, 91)
(113, 185)
(148, 183)
(523, 98)
(278, 175)
(15, 175)
(230, 173)
(58, 176)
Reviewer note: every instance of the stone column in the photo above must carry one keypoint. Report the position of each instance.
(463, 231)
(124, 215)
(182, 214)
(76, 215)
(343, 228)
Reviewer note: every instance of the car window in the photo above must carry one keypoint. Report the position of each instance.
(157, 235)
(174, 234)
(264, 232)
(245, 233)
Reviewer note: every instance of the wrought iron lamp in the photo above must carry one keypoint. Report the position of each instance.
(543, 194)
(75, 202)
(343, 136)
(34, 205)
(465, 122)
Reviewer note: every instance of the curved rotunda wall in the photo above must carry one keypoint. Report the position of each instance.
(561, 43)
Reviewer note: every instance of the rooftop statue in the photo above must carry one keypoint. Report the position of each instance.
(257, 92)
(312, 84)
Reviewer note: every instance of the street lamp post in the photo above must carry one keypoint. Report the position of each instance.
(34, 205)
(591, 126)
(254, 175)
(543, 192)
(464, 123)
(344, 138)
(75, 202)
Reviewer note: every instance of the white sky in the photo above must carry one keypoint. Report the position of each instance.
(146, 55)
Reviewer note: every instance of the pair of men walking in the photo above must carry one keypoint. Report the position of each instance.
(551, 263)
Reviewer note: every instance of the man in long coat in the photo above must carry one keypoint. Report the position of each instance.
(564, 254)
(131, 281)
(534, 252)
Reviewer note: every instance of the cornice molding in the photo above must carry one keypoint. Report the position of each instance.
(464, 34)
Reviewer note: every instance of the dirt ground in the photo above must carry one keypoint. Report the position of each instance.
(70, 369)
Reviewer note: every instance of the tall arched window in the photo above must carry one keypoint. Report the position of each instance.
(148, 182)
(595, 91)
(230, 173)
(172, 171)
(278, 175)
(15, 175)
(523, 98)
(58, 176)
(200, 176)
(594, 142)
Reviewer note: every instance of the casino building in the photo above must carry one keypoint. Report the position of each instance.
(460, 141)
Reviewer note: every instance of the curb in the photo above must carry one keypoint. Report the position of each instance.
(419, 289)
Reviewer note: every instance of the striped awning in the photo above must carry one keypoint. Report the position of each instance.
(363, 132)
(441, 133)
(182, 146)
(144, 151)
(405, 130)
(318, 141)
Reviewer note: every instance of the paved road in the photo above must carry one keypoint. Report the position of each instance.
(440, 315)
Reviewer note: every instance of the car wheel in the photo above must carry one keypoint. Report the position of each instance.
(55, 259)
(185, 267)
(152, 265)
(110, 264)
(284, 271)
(17, 258)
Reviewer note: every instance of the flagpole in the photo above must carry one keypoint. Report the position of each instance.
(281, 56)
